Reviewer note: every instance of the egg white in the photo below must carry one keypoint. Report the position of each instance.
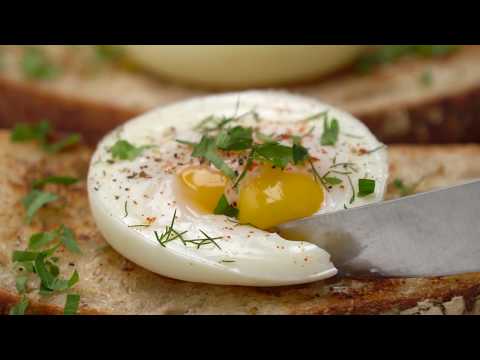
(247, 256)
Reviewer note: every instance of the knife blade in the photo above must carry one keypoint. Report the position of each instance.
(435, 233)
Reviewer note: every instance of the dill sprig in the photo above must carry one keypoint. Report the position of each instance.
(171, 234)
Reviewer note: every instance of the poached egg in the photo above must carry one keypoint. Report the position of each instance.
(181, 192)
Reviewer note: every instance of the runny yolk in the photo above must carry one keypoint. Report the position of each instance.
(202, 187)
(274, 196)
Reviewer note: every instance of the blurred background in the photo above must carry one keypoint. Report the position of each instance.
(404, 93)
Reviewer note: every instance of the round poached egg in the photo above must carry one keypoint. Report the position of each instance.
(193, 190)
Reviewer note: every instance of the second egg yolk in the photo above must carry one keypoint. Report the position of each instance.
(203, 187)
(274, 196)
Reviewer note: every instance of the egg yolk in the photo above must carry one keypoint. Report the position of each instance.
(203, 187)
(274, 196)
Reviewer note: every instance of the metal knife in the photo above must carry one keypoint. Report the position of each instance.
(434, 233)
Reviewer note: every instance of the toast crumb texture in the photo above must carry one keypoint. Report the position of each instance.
(110, 284)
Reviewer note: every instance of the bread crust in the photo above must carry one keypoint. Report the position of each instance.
(391, 100)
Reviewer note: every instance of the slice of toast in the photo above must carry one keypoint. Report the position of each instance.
(395, 101)
(110, 284)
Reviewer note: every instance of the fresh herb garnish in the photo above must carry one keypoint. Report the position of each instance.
(35, 200)
(71, 304)
(67, 238)
(299, 154)
(62, 144)
(206, 149)
(36, 65)
(404, 189)
(274, 153)
(330, 132)
(40, 132)
(171, 234)
(40, 240)
(365, 187)
(224, 208)
(62, 180)
(21, 283)
(236, 138)
(332, 180)
(390, 53)
(27, 132)
(20, 307)
(123, 150)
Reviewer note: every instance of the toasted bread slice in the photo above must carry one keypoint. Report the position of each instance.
(110, 284)
(93, 96)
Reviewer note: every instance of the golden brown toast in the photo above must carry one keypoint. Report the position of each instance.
(93, 96)
(110, 284)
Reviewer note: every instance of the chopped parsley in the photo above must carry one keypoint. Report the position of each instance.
(35, 200)
(36, 65)
(236, 138)
(330, 132)
(27, 132)
(403, 189)
(42, 262)
(21, 284)
(71, 304)
(365, 187)
(274, 153)
(62, 144)
(224, 208)
(39, 132)
(299, 154)
(21, 307)
(123, 150)
(206, 149)
(62, 180)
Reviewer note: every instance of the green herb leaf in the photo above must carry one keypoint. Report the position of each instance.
(332, 180)
(330, 132)
(62, 180)
(36, 65)
(39, 240)
(274, 153)
(22, 256)
(62, 284)
(21, 307)
(123, 150)
(299, 154)
(70, 140)
(71, 304)
(263, 137)
(21, 283)
(27, 132)
(45, 276)
(236, 138)
(109, 52)
(365, 187)
(224, 208)
(67, 237)
(35, 200)
(404, 189)
(206, 149)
